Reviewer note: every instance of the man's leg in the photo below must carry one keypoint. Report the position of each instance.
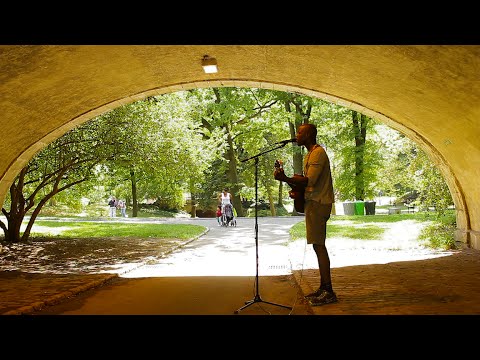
(316, 217)
(323, 261)
(323, 266)
(327, 295)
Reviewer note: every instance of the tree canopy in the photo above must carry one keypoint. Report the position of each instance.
(195, 143)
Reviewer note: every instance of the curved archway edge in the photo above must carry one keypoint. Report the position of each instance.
(465, 233)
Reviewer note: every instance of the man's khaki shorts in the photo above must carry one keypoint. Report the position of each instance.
(316, 217)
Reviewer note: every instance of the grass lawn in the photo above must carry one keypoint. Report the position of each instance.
(89, 229)
(368, 227)
(438, 234)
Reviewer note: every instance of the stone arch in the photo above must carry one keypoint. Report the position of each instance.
(428, 92)
(463, 221)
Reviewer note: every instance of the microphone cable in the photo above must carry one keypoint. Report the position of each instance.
(299, 285)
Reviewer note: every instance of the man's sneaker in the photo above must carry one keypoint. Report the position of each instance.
(314, 294)
(326, 297)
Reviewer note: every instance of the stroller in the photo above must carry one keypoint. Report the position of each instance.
(228, 218)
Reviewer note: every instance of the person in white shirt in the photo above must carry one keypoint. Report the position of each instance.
(225, 198)
(122, 205)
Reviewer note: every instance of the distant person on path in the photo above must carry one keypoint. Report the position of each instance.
(112, 203)
(319, 197)
(122, 205)
(225, 198)
(219, 215)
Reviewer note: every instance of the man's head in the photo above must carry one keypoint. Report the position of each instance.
(306, 134)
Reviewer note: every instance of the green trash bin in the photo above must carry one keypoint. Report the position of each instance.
(359, 207)
(369, 207)
(349, 208)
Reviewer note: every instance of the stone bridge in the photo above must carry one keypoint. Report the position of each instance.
(430, 93)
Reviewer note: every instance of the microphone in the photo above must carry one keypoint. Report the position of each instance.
(285, 142)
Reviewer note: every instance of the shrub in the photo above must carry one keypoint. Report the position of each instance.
(440, 234)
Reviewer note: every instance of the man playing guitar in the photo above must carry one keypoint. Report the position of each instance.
(319, 198)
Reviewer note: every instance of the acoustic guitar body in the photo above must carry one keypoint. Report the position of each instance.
(297, 192)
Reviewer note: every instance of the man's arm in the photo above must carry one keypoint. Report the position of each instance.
(294, 180)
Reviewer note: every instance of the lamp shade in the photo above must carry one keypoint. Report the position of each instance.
(209, 64)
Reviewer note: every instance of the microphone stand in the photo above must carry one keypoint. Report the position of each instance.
(257, 297)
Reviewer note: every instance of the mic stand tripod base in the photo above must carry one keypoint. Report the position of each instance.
(257, 299)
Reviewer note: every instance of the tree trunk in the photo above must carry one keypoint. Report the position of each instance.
(28, 229)
(14, 225)
(273, 210)
(280, 194)
(232, 176)
(193, 200)
(17, 210)
(133, 181)
(360, 130)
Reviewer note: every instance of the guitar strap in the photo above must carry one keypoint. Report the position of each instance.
(305, 168)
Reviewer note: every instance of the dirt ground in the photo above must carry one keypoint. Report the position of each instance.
(83, 256)
(214, 275)
(278, 295)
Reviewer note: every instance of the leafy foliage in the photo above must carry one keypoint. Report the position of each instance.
(440, 234)
(412, 177)
(194, 143)
(68, 161)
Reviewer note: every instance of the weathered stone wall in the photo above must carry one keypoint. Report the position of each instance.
(430, 93)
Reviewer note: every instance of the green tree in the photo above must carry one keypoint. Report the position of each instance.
(350, 139)
(419, 178)
(230, 116)
(166, 155)
(68, 161)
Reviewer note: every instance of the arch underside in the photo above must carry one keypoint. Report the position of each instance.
(405, 98)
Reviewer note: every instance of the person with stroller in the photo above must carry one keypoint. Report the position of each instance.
(225, 198)
(227, 215)
(227, 208)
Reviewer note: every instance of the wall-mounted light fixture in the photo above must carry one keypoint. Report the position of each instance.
(209, 64)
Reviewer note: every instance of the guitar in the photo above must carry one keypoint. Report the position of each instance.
(297, 192)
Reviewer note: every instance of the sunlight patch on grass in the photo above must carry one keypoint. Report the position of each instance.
(79, 229)
(342, 229)
(365, 232)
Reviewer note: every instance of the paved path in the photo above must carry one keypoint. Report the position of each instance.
(219, 269)
(225, 257)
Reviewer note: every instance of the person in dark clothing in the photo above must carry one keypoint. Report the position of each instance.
(112, 204)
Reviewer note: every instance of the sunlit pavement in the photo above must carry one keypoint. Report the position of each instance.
(229, 251)
(395, 275)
